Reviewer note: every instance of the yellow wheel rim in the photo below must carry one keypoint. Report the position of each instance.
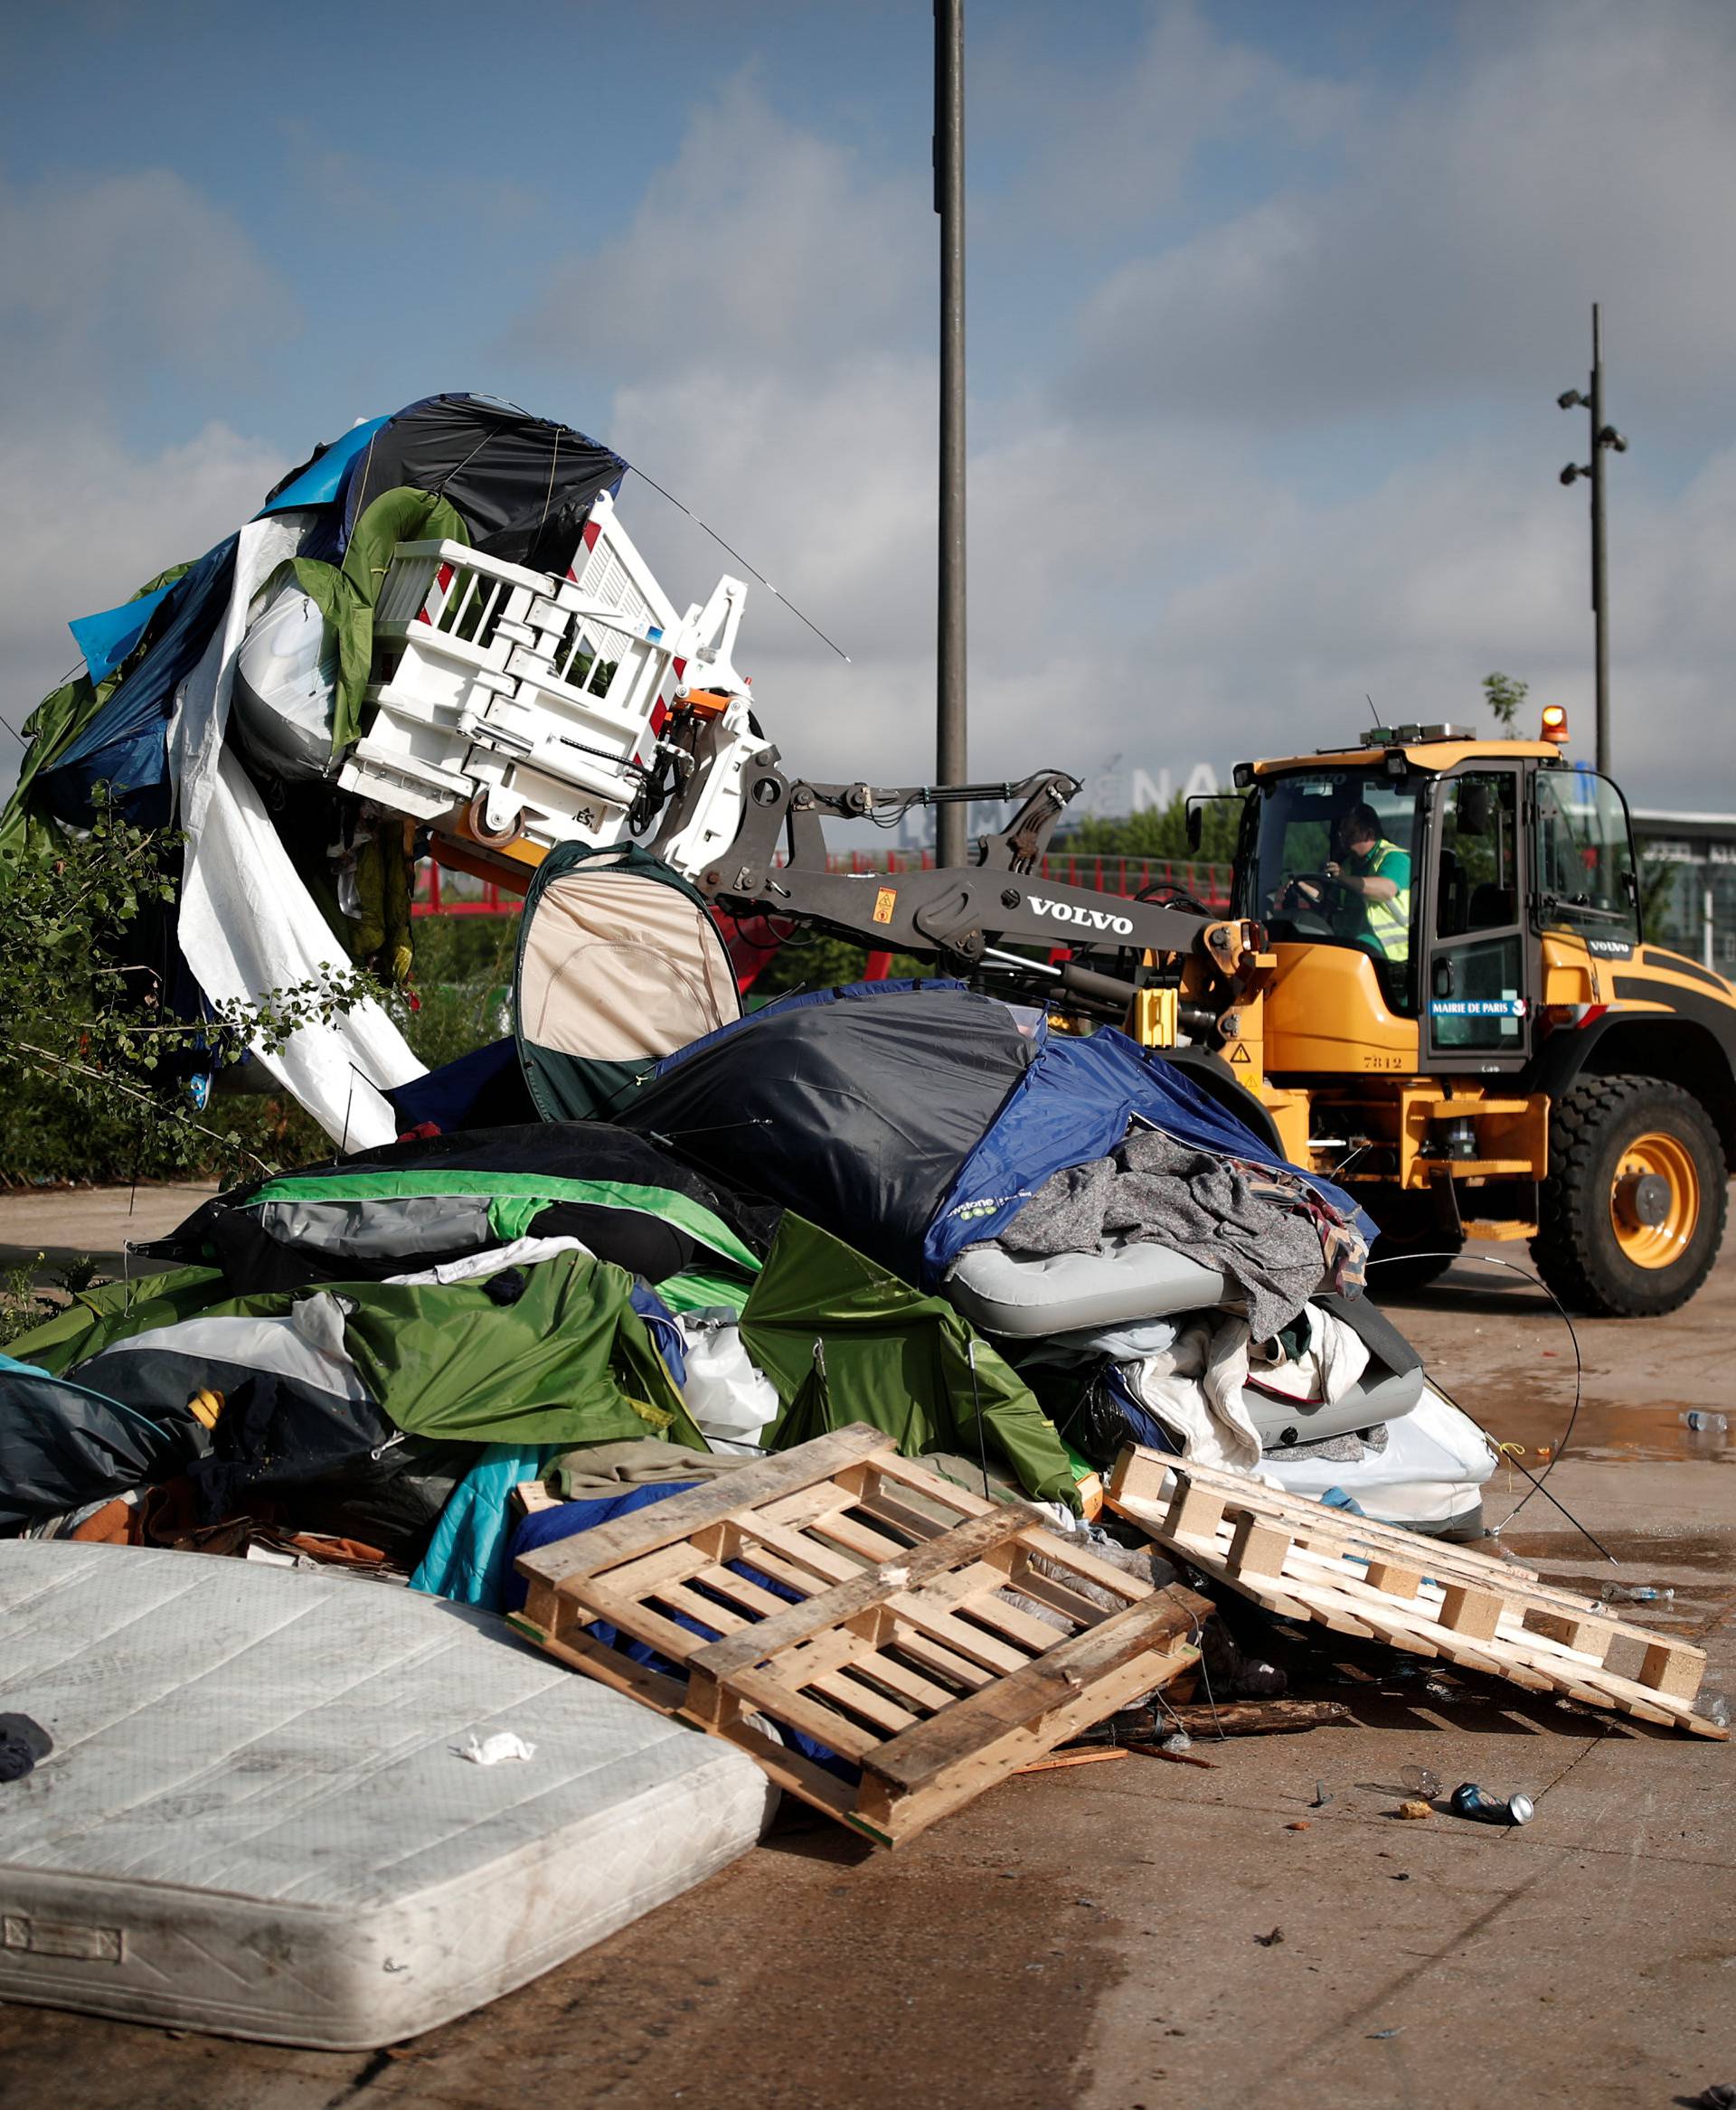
(1655, 1200)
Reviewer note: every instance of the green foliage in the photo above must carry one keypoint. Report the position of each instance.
(1504, 694)
(463, 985)
(1161, 832)
(21, 1307)
(816, 962)
(93, 1071)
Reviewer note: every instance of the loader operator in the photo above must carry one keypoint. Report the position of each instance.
(1369, 905)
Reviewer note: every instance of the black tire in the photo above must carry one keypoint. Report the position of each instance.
(1577, 1250)
(1399, 1267)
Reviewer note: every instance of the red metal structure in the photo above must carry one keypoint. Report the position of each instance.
(1122, 876)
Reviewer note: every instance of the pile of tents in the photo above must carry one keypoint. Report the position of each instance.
(808, 1218)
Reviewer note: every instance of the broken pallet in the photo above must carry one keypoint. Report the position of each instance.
(877, 1616)
(1380, 1583)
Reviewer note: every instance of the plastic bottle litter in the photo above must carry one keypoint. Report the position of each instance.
(1176, 1740)
(1469, 1800)
(1710, 1424)
(1422, 1780)
(1639, 1594)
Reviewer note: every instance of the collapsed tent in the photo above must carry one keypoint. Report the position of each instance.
(430, 1201)
(253, 1395)
(263, 903)
(915, 1119)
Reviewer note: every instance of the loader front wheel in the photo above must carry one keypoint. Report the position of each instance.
(1632, 1214)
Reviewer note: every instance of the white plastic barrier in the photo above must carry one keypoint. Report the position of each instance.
(522, 700)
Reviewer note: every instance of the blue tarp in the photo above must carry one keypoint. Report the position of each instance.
(127, 742)
(320, 481)
(105, 639)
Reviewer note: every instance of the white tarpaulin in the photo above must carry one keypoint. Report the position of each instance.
(247, 924)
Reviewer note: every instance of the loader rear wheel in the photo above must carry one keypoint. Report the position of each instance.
(1632, 1214)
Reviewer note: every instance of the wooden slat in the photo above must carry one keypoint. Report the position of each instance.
(1149, 1632)
(864, 1588)
(1409, 1592)
(856, 1537)
(801, 1551)
(751, 1595)
(798, 1711)
(662, 1523)
(915, 1609)
(935, 1656)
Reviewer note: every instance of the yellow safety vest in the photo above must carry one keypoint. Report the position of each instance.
(1389, 922)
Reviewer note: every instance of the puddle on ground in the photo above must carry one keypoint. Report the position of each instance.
(1604, 1430)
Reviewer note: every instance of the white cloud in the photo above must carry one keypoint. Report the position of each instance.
(113, 284)
(105, 274)
(1575, 149)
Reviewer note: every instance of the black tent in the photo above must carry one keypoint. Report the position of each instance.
(523, 485)
(855, 1107)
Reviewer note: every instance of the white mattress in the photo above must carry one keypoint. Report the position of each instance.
(253, 1820)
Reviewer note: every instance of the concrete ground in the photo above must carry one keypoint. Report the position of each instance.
(1102, 1936)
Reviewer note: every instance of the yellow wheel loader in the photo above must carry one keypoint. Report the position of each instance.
(1492, 1051)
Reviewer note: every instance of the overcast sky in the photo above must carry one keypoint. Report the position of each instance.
(1270, 304)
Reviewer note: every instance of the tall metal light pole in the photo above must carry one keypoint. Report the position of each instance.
(1602, 438)
(950, 827)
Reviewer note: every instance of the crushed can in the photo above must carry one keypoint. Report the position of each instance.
(1469, 1800)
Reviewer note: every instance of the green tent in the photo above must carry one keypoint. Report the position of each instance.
(568, 1361)
(843, 1340)
(619, 964)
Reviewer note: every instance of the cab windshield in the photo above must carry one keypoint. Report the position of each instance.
(1328, 858)
(1585, 857)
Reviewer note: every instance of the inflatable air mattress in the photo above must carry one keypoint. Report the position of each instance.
(1428, 1478)
(1065, 1293)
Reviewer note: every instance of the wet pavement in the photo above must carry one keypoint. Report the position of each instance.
(1497, 1344)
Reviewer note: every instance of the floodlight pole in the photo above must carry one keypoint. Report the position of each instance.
(1603, 438)
(1600, 548)
(950, 820)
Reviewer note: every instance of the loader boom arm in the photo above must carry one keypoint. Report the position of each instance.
(960, 915)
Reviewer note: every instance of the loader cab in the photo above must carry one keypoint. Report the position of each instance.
(1486, 847)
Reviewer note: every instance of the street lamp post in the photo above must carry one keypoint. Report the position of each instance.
(949, 203)
(1603, 437)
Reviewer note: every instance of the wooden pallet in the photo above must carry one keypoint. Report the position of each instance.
(901, 1652)
(1380, 1583)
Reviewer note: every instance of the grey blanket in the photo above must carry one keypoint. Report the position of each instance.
(1198, 1204)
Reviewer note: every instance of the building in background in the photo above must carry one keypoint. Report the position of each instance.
(1688, 876)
